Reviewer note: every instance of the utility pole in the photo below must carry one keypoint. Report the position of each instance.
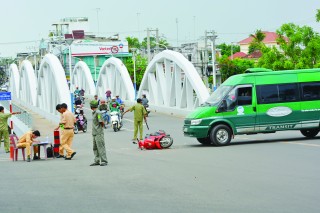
(194, 28)
(177, 32)
(138, 18)
(98, 9)
(157, 40)
(148, 44)
(213, 38)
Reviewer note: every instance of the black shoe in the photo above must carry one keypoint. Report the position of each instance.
(67, 158)
(28, 159)
(73, 154)
(60, 156)
(95, 164)
(36, 158)
(7, 151)
(104, 164)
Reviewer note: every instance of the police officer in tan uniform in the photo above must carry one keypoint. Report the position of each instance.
(26, 142)
(66, 126)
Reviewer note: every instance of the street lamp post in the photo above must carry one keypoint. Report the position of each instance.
(69, 41)
(134, 72)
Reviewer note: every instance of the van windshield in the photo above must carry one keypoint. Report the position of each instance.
(218, 95)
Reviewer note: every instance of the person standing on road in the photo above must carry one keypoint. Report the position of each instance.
(99, 148)
(108, 95)
(140, 113)
(4, 127)
(66, 125)
(26, 142)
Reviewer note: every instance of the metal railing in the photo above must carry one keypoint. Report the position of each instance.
(25, 117)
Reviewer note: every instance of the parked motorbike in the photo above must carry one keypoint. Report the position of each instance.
(115, 120)
(81, 121)
(106, 118)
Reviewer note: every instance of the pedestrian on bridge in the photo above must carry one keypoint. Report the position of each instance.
(66, 126)
(140, 113)
(4, 127)
(99, 148)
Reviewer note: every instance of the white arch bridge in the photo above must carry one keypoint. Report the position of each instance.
(170, 82)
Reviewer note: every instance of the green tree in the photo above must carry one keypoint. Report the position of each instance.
(133, 42)
(318, 15)
(141, 66)
(226, 49)
(299, 49)
(232, 67)
(153, 43)
(257, 41)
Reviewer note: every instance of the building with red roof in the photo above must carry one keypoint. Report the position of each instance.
(270, 40)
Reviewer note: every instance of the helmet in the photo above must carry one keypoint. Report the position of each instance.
(94, 104)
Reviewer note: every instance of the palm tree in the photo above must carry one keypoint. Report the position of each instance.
(257, 41)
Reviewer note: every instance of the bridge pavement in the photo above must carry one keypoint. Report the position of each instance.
(259, 173)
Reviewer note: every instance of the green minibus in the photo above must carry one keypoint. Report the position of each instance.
(258, 101)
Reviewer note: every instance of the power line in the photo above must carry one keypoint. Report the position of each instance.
(18, 42)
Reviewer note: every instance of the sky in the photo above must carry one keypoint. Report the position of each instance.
(25, 22)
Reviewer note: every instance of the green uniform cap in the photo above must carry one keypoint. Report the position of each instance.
(94, 104)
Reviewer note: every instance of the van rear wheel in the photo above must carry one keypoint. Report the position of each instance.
(309, 133)
(220, 135)
(204, 141)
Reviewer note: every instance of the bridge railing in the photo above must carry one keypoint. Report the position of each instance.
(24, 117)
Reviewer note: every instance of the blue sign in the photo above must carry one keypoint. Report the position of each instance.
(5, 96)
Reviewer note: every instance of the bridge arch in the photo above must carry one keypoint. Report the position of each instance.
(172, 81)
(52, 85)
(27, 83)
(81, 77)
(114, 76)
(14, 78)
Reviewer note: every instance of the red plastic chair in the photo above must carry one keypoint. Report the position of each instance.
(13, 141)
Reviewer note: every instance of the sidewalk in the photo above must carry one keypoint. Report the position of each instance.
(45, 126)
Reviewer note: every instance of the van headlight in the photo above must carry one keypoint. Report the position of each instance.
(196, 122)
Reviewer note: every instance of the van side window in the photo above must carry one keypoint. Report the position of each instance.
(277, 93)
(310, 91)
(245, 96)
(239, 96)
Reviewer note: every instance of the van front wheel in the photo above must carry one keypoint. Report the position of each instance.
(309, 133)
(220, 135)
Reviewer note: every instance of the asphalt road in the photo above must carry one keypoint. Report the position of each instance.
(258, 173)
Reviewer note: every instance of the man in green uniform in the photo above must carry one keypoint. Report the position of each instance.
(4, 127)
(140, 113)
(99, 149)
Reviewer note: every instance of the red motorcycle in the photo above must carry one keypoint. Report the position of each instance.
(157, 140)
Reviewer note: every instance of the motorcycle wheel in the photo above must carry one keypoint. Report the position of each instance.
(166, 142)
(84, 127)
(115, 128)
(75, 129)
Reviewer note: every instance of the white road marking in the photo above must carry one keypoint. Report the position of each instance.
(304, 144)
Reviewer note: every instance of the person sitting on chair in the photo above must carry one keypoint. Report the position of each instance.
(26, 142)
